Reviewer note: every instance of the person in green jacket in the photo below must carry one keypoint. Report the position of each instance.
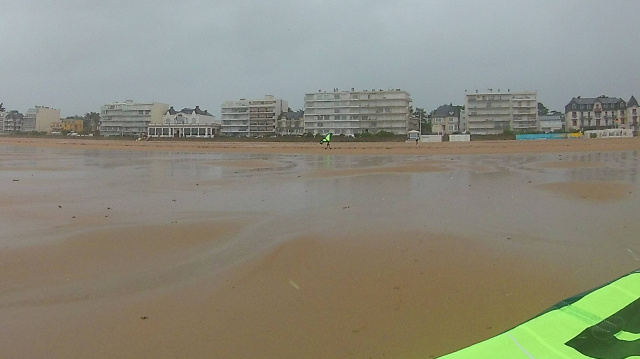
(327, 140)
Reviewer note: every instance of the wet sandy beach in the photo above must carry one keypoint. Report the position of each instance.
(264, 250)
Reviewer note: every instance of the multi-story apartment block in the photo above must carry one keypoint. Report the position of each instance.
(595, 113)
(489, 113)
(3, 116)
(463, 121)
(130, 118)
(11, 122)
(632, 112)
(354, 112)
(39, 119)
(252, 118)
(445, 120)
(290, 123)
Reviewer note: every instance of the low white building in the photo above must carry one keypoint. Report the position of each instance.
(130, 118)
(184, 130)
(551, 123)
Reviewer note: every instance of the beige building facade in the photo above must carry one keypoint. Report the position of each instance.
(40, 119)
(130, 118)
(492, 113)
(252, 118)
(355, 112)
(595, 113)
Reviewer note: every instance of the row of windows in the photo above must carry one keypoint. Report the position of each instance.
(597, 122)
(574, 114)
(606, 105)
(352, 96)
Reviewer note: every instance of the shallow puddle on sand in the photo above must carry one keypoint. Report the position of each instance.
(379, 255)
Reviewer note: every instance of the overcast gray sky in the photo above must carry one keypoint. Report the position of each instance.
(79, 55)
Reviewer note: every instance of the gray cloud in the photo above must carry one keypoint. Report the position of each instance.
(78, 55)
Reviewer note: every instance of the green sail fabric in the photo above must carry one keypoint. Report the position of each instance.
(603, 324)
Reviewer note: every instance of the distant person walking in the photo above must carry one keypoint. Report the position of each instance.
(327, 140)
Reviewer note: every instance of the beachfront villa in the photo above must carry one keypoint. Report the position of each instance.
(290, 123)
(252, 118)
(445, 120)
(492, 113)
(187, 123)
(603, 112)
(355, 112)
(130, 118)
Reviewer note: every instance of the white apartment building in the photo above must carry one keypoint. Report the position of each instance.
(354, 112)
(252, 118)
(632, 111)
(39, 119)
(491, 113)
(3, 118)
(11, 122)
(130, 118)
(595, 113)
(463, 121)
